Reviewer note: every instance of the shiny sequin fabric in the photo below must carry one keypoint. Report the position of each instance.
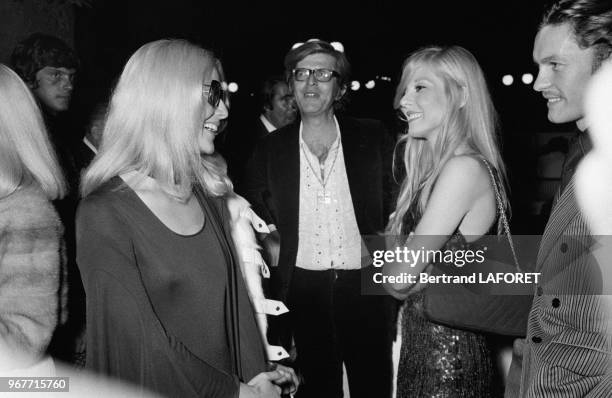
(438, 361)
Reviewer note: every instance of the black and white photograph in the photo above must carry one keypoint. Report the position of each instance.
(277, 199)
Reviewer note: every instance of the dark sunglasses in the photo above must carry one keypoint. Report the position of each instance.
(215, 93)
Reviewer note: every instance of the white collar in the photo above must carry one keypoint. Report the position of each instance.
(269, 126)
(90, 145)
(337, 132)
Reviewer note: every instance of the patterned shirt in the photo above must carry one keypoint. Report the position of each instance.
(327, 229)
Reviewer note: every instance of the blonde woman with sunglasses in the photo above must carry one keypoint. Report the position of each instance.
(167, 307)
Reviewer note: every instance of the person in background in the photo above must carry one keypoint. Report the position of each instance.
(277, 107)
(277, 104)
(49, 66)
(32, 256)
(88, 147)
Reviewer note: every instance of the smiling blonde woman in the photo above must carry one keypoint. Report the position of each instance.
(447, 201)
(167, 307)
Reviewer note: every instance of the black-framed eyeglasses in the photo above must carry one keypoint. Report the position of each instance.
(320, 75)
(215, 93)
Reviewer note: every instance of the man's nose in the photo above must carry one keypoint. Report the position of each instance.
(67, 82)
(541, 82)
(311, 79)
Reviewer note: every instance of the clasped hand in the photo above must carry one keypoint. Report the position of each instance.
(282, 380)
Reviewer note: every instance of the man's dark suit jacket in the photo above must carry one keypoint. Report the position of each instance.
(83, 155)
(273, 185)
(239, 147)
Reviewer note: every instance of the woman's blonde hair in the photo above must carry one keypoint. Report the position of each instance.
(471, 120)
(155, 116)
(26, 154)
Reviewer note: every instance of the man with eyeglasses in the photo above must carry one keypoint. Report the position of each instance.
(48, 66)
(320, 184)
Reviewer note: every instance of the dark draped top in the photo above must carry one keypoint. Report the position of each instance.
(165, 311)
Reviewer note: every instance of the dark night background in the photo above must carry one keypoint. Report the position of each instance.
(252, 38)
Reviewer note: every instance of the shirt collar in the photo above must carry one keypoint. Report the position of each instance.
(336, 141)
(90, 145)
(579, 146)
(585, 142)
(269, 126)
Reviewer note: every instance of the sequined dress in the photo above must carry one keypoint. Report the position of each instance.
(438, 361)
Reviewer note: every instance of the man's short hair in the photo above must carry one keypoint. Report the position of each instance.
(343, 67)
(38, 51)
(266, 95)
(591, 22)
(318, 47)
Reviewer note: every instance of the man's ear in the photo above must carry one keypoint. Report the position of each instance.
(341, 92)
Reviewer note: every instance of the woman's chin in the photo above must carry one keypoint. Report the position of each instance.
(417, 135)
(207, 148)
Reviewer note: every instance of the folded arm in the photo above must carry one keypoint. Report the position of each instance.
(461, 182)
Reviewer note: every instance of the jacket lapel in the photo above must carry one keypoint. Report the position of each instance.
(287, 175)
(562, 214)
